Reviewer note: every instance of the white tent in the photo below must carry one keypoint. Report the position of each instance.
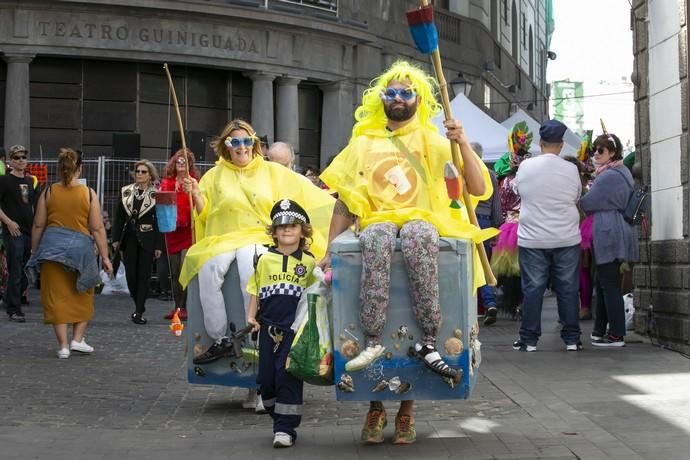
(479, 127)
(571, 141)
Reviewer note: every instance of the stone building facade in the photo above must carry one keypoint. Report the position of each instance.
(77, 73)
(662, 278)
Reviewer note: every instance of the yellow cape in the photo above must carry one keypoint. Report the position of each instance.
(238, 208)
(364, 172)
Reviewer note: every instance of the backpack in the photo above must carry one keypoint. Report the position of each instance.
(637, 203)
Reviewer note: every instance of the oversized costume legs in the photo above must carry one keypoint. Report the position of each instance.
(419, 244)
(281, 393)
(211, 279)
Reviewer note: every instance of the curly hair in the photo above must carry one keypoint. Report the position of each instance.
(218, 144)
(170, 169)
(370, 114)
(69, 162)
(304, 242)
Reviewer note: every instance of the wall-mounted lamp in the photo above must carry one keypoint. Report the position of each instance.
(551, 55)
(461, 85)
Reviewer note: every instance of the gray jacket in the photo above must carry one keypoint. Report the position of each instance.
(612, 237)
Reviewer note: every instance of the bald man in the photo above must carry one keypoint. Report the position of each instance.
(283, 153)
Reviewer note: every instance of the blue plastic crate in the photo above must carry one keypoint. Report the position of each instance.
(235, 372)
(458, 332)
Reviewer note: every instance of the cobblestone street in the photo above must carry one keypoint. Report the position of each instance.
(130, 399)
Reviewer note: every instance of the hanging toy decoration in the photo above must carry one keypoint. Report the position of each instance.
(176, 325)
(453, 185)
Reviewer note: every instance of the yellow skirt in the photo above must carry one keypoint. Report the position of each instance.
(62, 303)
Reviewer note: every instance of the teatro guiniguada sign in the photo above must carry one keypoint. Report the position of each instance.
(146, 35)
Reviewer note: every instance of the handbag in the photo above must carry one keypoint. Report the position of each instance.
(637, 203)
(311, 355)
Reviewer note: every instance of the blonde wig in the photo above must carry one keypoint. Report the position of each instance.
(370, 115)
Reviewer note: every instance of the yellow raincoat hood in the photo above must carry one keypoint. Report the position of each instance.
(238, 207)
(361, 174)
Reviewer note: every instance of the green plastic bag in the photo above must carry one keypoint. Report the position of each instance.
(311, 356)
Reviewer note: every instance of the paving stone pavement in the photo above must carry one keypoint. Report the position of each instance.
(130, 399)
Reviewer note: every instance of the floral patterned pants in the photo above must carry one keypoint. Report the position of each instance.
(419, 243)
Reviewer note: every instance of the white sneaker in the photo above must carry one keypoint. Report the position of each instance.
(81, 347)
(282, 440)
(250, 401)
(63, 353)
(365, 358)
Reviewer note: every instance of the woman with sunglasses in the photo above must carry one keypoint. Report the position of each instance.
(233, 203)
(178, 241)
(613, 241)
(136, 235)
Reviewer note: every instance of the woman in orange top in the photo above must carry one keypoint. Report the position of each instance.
(67, 221)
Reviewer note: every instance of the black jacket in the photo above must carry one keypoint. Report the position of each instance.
(143, 222)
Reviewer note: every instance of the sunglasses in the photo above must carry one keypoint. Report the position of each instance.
(19, 157)
(237, 142)
(599, 150)
(142, 171)
(181, 161)
(406, 94)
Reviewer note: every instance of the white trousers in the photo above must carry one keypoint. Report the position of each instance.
(211, 279)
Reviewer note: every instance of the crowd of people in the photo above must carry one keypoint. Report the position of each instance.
(563, 226)
(253, 209)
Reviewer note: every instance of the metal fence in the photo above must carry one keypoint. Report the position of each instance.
(107, 176)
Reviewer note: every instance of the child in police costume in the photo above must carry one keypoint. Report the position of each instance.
(280, 277)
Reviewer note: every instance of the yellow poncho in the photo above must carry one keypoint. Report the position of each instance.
(238, 207)
(361, 174)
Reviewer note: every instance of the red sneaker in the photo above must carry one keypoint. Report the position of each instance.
(170, 315)
(183, 314)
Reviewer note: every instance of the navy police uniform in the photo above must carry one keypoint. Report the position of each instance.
(278, 283)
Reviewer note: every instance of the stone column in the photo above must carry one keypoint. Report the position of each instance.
(17, 100)
(262, 103)
(287, 111)
(337, 118)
